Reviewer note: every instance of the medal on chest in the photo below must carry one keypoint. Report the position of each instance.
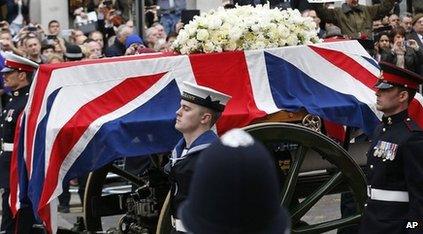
(9, 116)
(385, 150)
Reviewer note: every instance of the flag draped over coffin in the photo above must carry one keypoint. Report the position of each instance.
(83, 115)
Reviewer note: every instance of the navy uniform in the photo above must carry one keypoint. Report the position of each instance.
(395, 166)
(182, 162)
(8, 120)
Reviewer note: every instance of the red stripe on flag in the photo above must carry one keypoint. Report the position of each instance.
(42, 80)
(357, 71)
(14, 171)
(110, 101)
(349, 65)
(416, 112)
(228, 73)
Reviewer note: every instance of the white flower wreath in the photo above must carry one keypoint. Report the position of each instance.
(245, 28)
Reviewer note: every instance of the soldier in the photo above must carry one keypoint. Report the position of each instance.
(200, 109)
(17, 77)
(395, 162)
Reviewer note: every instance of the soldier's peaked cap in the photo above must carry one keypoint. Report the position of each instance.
(204, 96)
(14, 62)
(392, 76)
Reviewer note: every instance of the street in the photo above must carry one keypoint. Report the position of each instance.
(326, 209)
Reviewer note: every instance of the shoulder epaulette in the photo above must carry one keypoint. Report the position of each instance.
(411, 125)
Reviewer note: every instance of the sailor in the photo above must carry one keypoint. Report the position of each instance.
(17, 75)
(200, 108)
(395, 158)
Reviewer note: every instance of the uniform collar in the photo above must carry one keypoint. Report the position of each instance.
(205, 138)
(393, 119)
(21, 91)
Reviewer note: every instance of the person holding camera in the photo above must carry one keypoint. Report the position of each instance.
(405, 53)
(6, 42)
(134, 45)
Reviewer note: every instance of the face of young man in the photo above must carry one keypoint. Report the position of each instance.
(54, 28)
(391, 101)
(190, 116)
(33, 47)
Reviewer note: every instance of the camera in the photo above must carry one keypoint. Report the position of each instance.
(51, 37)
(32, 28)
(107, 3)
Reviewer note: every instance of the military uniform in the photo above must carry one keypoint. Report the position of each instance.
(394, 168)
(9, 116)
(182, 163)
(395, 176)
(7, 132)
(181, 168)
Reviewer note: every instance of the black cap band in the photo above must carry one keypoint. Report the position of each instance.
(207, 102)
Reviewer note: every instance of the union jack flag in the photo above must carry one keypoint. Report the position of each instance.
(83, 115)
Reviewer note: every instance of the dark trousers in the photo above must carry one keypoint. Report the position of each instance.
(7, 223)
(64, 198)
(348, 208)
(22, 223)
(25, 221)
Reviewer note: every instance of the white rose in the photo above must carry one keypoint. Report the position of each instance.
(215, 22)
(202, 34)
(182, 36)
(208, 47)
(192, 43)
(231, 46)
(235, 33)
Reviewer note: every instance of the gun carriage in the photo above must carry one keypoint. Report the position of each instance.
(309, 163)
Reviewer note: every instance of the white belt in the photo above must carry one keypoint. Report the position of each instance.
(177, 224)
(7, 147)
(387, 195)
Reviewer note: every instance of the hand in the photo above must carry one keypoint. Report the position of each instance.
(399, 47)
(130, 51)
(376, 47)
(413, 44)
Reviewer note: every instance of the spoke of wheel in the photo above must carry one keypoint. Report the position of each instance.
(312, 199)
(126, 175)
(329, 225)
(292, 177)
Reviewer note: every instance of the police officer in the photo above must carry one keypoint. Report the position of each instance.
(235, 190)
(17, 76)
(200, 109)
(395, 158)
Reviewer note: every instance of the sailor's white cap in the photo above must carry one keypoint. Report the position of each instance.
(14, 62)
(204, 96)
